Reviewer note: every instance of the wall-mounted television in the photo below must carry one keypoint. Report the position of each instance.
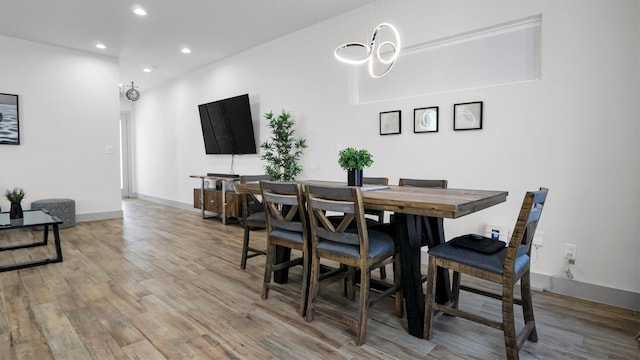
(227, 127)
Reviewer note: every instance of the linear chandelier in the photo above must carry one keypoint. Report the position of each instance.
(374, 51)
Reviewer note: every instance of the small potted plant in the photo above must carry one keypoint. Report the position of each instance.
(15, 197)
(354, 161)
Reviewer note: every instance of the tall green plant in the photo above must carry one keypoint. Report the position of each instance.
(282, 151)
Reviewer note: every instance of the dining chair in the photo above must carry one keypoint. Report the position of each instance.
(506, 266)
(377, 214)
(355, 247)
(284, 205)
(253, 218)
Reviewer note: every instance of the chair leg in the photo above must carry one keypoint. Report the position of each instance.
(313, 286)
(306, 268)
(397, 279)
(245, 248)
(527, 305)
(351, 294)
(455, 290)
(383, 273)
(430, 298)
(268, 269)
(510, 341)
(363, 306)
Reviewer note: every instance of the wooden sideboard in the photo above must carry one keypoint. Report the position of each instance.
(211, 200)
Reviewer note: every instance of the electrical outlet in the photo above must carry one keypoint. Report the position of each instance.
(570, 251)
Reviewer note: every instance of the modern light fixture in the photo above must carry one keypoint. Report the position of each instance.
(140, 11)
(101, 46)
(186, 50)
(374, 51)
(132, 93)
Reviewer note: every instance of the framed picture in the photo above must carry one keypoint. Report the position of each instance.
(425, 119)
(467, 116)
(9, 120)
(390, 122)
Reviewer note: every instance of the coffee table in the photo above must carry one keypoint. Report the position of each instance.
(32, 218)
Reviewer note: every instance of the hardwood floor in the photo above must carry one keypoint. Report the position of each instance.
(163, 283)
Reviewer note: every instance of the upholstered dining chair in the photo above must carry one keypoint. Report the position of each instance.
(253, 218)
(355, 247)
(285, 210)
(378, 214)
(505, 266)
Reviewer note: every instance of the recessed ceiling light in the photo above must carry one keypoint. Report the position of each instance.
(186, 51)
(146, 70)
(140, 11)
(101, 46)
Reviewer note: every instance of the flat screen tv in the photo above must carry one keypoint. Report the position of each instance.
(227, 127)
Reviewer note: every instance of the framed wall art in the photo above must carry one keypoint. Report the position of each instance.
(425, 119)
(467, 116)
(9, 120)
(390, 122)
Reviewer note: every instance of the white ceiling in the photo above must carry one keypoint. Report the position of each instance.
(212, 29)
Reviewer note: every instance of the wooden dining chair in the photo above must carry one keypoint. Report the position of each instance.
(506, 266)
(355, 247)
(253, 218)
(378, 214)
(285, 210)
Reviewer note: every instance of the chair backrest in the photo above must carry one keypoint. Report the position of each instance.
(375, 180)
(423, 183)
(347, 200)
(525, 227)
(250, 203)
(284, 206)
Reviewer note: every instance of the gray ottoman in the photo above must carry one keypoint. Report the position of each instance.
(63, 209)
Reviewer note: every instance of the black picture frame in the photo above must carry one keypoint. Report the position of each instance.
(426, 119)
(390, 122)
(9, 119)
(467, 116)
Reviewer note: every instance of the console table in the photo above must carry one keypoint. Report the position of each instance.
(32, 218)
(226, 204)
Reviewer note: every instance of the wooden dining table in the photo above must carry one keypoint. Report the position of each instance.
(418, 215)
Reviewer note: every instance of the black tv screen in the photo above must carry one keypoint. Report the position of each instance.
(227, 127)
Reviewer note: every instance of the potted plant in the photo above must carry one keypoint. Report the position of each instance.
(282, 151)
(15, 197)
(354, 161)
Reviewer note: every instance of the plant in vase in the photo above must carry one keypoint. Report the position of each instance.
(15, 197)
(282, 151)
(354, 161)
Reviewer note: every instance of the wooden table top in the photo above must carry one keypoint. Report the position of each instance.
(445, 203)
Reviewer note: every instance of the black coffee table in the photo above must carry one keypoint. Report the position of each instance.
(32, 218)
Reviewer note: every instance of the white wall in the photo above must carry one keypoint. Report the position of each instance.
(68, 104)
(575, 130)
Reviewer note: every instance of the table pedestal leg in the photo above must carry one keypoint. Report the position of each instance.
(410, 230)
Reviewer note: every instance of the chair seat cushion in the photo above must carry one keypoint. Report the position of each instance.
(286, 235)
(258, 217)
(489, 262)
(379, 244)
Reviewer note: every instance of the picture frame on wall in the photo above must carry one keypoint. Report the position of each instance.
(9, 119)
(425, 119)
(390, 122)
(467, 116)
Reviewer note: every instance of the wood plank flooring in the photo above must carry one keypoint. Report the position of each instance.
(163, 283)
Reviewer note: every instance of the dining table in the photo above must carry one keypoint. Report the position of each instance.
(418, 214)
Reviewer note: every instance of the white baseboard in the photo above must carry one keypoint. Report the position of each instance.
(99, 216)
